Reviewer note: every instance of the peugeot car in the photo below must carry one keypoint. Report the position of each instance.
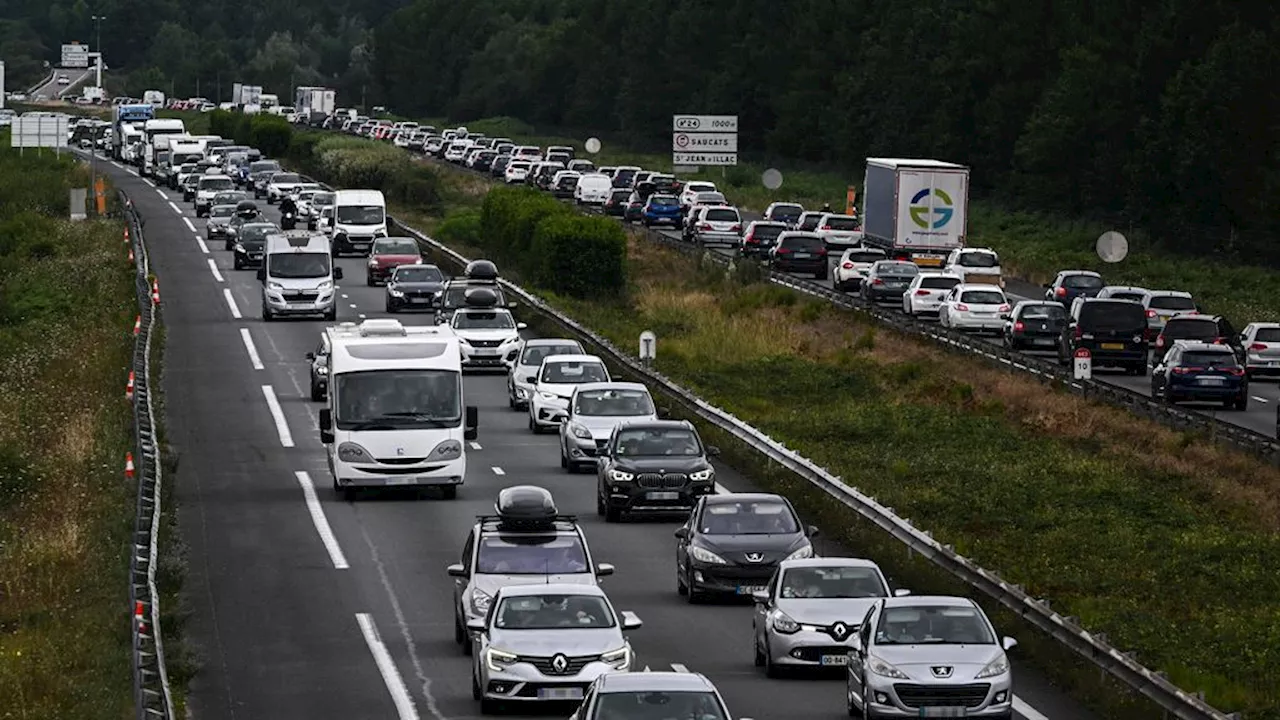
(526, 361)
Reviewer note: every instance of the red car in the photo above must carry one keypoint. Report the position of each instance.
(389, 253)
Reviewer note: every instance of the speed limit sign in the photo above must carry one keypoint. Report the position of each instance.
(1083, 364)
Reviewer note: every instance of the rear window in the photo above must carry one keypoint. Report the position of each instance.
(722, 215)
(841, 223)
(1172, 302)
(787, 210)
(870, 256)
(767, 232)
(1082, 282)
(1117, 316)
(1267, 335)
(804, 242)
(285, 178)
(1043, 312)
(701, 187)
(978, 260)
(982, 297)
(1135, 297)
(1205, 358)
(664, 201)
(939, 283)
(899, 269)
(1188, 329)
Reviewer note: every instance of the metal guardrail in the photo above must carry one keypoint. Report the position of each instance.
(1090, 646)
(152, 697)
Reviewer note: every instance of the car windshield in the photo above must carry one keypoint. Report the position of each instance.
(978, 260)
(285, 178)
(216, 183)
(982, 297)
(299, 265)
(1205, 358)
(937, 625)
(574, 373)
(658, 442)
(1172, 302)
(423, 274)
(398, 399)
(531, 555)
(395, 247)
(721, 215)
(841, 223)
(534, 354)
(700, 187)
(548, 612)
(804, 243)
(1043, 312)
(613, 403)
(748, 517)
(1191, 330)
(360, 214)
(256, 232)
(1082, 282)
(866, 256)
(832, 582)
(222, 211)
(939, 283)
(486, 320)
(1267, 335)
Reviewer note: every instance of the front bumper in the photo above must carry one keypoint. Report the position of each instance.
(248, 258)
(806, 648)
(215, 230)
(524, 682)
(380, 475)
(413, 301)
(905, 699)
(583, 450)
(628, 498)
(306, 304)
(732, 579)
(519, 394)
(542, 409)
(473, 357)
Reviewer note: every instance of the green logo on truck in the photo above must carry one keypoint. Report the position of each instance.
(941, 215)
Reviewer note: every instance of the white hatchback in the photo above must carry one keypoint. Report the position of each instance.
(516, 171)
(926, 291)
(973, 307)
(1262, 348)
(853, 267)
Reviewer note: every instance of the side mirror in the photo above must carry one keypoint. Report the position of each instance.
(532, 379)
(760, 597)
(712, 450)
(326, 426)
(337, 273)
(311, 356)
(682, 533)
(476, 625)
(262, 274)
(901, 592)
(630, 621)
(1008, 643)
(604, 570)
(812, 531)
(522, 326)
(472, 428)
(457, 570)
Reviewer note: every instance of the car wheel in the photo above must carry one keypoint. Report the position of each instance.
(316, 395)
(449, 492)
(680, 586)
(267, 315)
(476, 694)
(459, 632)
(533, 428)
(228, 245)
(332, 315)
(755, 646)
(693, 595)
(601, 507)
(564, 460)
(237, 264)
(850, 708)
(770, 670)
(390, 309)
(612, 514)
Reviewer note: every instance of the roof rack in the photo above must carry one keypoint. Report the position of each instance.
(526, 507)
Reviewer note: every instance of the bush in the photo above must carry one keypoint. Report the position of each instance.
(461, 229)
(359, 163)
(582, 256)
(269, 133)
(509, 218)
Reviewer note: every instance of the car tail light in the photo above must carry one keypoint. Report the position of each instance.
(962, 307)
(1018, 326)
(1151, 313)
(783, 250)
(1160, 341)
(822, 252)
(1078, 333)
(849, 266)
(1236, 371)
(922, 293)
(705, 226)
(1219, 340)
(736, 228)
(1060, 292)
(1258, 346)
(877, 281)
(1004, 308)
(825, 227)
(1186, 370)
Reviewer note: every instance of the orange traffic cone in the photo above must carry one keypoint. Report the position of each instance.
(128, 388)
(155, 292)
(137, 325)
(130, 254)
(128, 465)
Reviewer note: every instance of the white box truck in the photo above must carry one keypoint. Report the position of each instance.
(915, 210)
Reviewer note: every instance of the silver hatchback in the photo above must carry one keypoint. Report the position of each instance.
(929, 657)
(595, 409)
(526, 362)
(547, 643)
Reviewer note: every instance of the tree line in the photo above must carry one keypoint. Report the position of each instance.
(1160, 115)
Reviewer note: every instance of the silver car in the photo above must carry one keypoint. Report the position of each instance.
(526, 363)
(547, 642)
(811, 610)
(929, 657)
(632, 694)
(219, 219)
(595, 409)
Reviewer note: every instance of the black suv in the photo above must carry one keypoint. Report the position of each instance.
(1195, 326)
(1113, 331)
(658, 466)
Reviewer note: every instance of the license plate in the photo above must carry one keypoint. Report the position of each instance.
(401, 480)
(928, 261)
(1042, 341)
(749, 589)
(1210, 381)
(1112, 346)
(835, 660)
(662, 495)
(419, 300)
(803, 256)
(486, 351)
(570, 693)
(944, 712)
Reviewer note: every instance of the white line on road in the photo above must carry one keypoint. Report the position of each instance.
(320, 521)
(253, 350)
(231, 303)
(475, 445)
(175, 207)
(1026, 711)
(345, 296)
(679, 668)
(353, 305)
(190, 227)
(498, 471)
(148, 181)
(1260, 399)
(203, 248)
(213, 268)
(277, 414)
(386, 666)
(163, 194)
(362, 316)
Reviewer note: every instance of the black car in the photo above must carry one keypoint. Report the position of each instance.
(565, 187)
(616, 205)
(799, 252)
(1194, 326)
(887, 280)
(732, 544)
(319, 359)
(760, 237)
(414, 287)
(1071, 284)
(1113, 331)
(189, 185)
(484, 160)
(1201, 372)
(659, 466)
(1034, 325)
(498, 167)
(249, 244)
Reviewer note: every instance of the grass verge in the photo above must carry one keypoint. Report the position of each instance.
(67, 304)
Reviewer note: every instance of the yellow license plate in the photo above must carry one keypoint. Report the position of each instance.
(1112, 346)
(928, 261)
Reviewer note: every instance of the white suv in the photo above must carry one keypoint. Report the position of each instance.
(210, 184)
(839, 230)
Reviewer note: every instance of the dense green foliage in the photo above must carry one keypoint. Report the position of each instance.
(348, 162)
(1159, 114)
(271, 134)
(551, 245)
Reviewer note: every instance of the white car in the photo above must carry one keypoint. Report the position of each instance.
(517, 171)
(1261, 343)
(973, 307)
(593, 189)
(839, 230)
(457, 150)
(486, 335)
(691, 190)
(975, 266)
(554, 383)
(208, 186)
(925, 293)
(853, 267)
(281, 183)
(528, 359)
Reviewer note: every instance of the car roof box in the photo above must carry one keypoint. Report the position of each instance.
(526, 507)
(480, 297)
(482, 270)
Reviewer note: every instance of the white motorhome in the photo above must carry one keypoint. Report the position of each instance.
(133, 145)
(297, 276)
(156, 128)
(184, 149)
(359, 216)
(154, 98)
(395, 414)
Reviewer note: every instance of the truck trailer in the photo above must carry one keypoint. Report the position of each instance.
(915, 210)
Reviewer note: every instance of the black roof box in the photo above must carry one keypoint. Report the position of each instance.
(480, 297)
(525, 507)
(481, 270)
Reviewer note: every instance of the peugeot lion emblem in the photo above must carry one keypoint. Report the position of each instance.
(941, 671)
(559, 663)
(839, 630)
(400, 451)
(755, 557)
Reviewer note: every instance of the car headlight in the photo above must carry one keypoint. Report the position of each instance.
(240, 248)
(394, 292)
(784, 624)
(620, 476)
(802, 553)
(884, 669)
(706, 556)
(580, 432)
(325, 285)
(373, 263)
(702, 475)
(447, 450)
(498, 660)
(463, 340)
(995, 668)
(480, 601)
(522, 394)
(277, 287)
(620, 659)
(352, 453)
(548, 396)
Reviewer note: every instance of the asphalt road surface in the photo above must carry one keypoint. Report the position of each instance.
(306, 606)
(51, 90)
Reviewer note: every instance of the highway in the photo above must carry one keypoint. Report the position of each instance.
(305, 606)
(51, 90)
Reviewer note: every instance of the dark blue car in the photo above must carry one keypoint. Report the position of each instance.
(1195, 371)
(661, 210)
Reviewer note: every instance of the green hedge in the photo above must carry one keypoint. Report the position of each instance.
(556, 248)
(271, 134)
(350, 162)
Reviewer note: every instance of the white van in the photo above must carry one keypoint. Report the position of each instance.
(395, 414)
(359, 216)
(593, 189)
(297, 276)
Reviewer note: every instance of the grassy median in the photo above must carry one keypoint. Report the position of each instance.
(67, 307)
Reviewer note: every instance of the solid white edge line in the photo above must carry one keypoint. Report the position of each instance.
(148, 181)
(387, 667)
(277, 414)
(231, 303)
(190, 227)
(679, 668)
(498, 471)
(253, 350)
(1026, 711)
(203, 248)
(213, 268)
(320, 521)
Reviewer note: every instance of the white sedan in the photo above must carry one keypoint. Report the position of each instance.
(973, 307)
(926, 291)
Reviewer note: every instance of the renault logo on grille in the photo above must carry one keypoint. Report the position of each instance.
(755, 557)
(941, 671)
(560, 663)
(839, 631)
